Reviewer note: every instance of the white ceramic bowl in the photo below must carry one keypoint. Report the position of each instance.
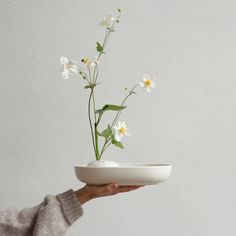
(126, 174)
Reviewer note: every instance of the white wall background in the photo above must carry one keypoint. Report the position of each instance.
(188, 120)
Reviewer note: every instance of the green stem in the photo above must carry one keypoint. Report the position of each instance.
(93, 79)
(107, 34)
(126, 97)
(95, 74)
(96, 142)
(103, 149)
(90, 79)
(94, 108)
(105, 146)
(90, 120)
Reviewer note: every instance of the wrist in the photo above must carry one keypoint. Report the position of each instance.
(82, 195)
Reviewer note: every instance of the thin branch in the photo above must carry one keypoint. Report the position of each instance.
(90, 120)
(126, 97)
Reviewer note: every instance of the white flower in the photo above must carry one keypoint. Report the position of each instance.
(120, 130)
(147, 83)
(89, 62)
(108, 21)
(69, 67)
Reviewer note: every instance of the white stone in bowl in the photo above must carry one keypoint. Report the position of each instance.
(103, 163)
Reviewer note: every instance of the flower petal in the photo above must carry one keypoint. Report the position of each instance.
(146, 76)
(72, 70)
(123, 124)
(141, 84)
(64, 60)
(73, 63)
(107, 21)
(65, 74)
(92, 64)
(119, 125)
(115, 129)
(118, 137)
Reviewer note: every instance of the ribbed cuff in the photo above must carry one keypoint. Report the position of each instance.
(71, 207)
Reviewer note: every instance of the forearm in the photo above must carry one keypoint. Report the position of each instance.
(82, 195)
(52, 217)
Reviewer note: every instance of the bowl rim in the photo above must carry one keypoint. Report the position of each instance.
(127, 165)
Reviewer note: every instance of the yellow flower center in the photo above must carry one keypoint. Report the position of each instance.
(148, 83)
(86, 60)
(122, 130)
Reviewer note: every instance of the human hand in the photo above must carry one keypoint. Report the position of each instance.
(89, 192)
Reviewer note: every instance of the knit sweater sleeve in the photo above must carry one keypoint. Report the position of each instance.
(52, 217)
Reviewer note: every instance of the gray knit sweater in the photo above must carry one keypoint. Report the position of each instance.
(52, 217)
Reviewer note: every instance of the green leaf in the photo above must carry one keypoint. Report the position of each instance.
(99, 47)
(110, 29)
(110, 107)
(117, 144)
(91, 85)
(107, 132)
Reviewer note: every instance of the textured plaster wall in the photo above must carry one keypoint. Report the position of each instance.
(188, 120)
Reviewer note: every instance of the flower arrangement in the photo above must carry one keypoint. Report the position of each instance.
(89, 71)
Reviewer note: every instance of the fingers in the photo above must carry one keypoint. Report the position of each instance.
(123, 189)
(115, 188)
(108, 189)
